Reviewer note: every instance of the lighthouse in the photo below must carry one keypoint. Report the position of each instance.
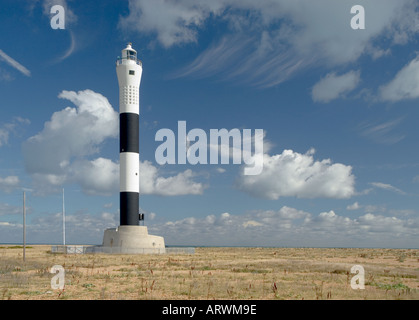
(129, 70)
(130, 237)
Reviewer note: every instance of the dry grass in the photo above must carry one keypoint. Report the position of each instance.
(212, 273)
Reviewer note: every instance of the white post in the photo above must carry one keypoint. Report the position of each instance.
(63, 220)
(24, 227)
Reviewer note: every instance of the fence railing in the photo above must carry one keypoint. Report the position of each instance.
(132, 58)
(82, 249)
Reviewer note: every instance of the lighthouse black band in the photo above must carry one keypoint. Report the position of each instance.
(129, 132)
(129, 202)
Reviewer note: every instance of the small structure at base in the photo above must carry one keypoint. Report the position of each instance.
(131, 239)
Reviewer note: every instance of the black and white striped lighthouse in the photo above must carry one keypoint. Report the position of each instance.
(129, 236)
(129, 70)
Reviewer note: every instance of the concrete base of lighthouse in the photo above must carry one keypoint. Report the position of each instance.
(131, 239)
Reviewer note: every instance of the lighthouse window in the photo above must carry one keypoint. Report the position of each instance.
(132, 72)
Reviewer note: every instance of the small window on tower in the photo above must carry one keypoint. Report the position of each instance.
(132, 72)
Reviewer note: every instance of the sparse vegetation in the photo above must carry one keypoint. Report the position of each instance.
(212, 273)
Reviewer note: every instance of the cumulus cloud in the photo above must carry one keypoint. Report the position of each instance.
(383, 224)
(284, 227)
(62, 152)
(405, 84)
(151, 182)
(291, 227)
(81, 228)
(266, 42)
(98, 176)
(101, 176)
(335, 86)
(8, 184)
(292, 174)
(71, 133)
(7, 209)
(354, 206)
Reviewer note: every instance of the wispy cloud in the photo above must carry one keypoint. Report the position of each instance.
(70, 49)
(267, 42)
(247, 59)
(382, 132)
(386, 186)
(12, 62)
(10, 127)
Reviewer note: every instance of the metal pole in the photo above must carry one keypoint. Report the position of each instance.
(63, 220)
(24, 227)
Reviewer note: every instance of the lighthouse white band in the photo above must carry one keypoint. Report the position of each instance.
(129, 163)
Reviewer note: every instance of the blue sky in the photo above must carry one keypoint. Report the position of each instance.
(338, 107)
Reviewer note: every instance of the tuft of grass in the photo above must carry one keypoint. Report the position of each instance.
(386, 286)
(246, 270)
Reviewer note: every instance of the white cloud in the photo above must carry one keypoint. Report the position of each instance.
(284, 227)
(98, 176)
(4, 136)
(7, 128)
(101, 176)
(173, 22)
(354, 206)
(382, 132)
(251, 223)
(382, 224)
(71, 133)
(292, 174)
(7, 209)
(333, 86)
(71, 48)
(8, 184)
(266, 42)
(405, 84)
(12, 62)
(151, 182)
(61, 152)
(291, 227)
(386, 186)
